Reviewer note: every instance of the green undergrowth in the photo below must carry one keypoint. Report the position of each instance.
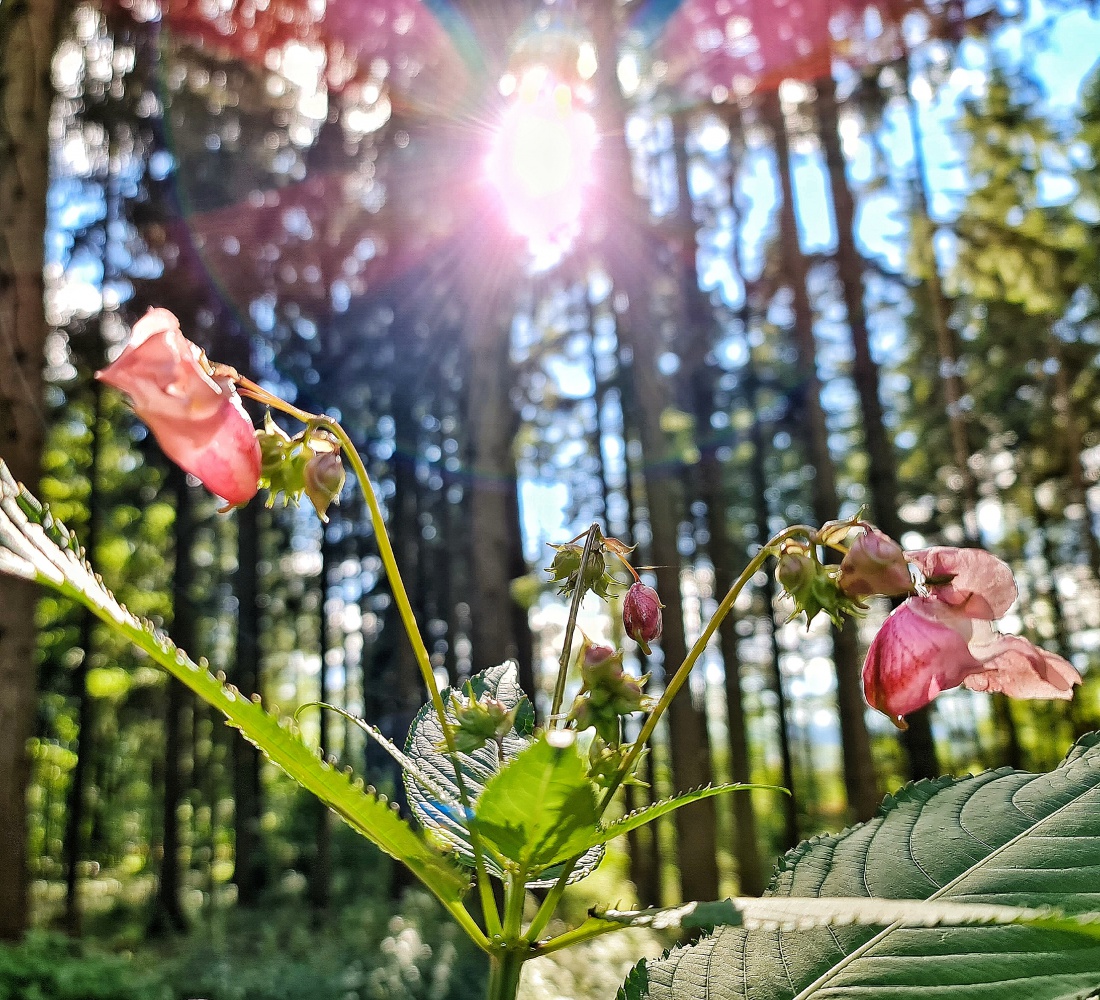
(367, 951)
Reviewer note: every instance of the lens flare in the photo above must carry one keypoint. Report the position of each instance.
(540, 160)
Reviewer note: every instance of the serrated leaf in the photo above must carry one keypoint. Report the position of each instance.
(806, 913)
(444, 820)
(539, 810)
(41, 548)
(1000, 838)
(640, 817)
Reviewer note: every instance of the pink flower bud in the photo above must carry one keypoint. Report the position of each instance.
(642, 615)
(196, 416)
(594, 654)
(324, 479)
(875, 564)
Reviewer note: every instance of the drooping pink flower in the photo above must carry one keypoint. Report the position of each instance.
(195, 415)
(946, 639)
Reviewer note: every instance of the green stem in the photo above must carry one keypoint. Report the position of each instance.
(683, 672)
(549, 904)
(505, 967)
(408, 618)
(571, 623)
(585, 932)
(385, 549)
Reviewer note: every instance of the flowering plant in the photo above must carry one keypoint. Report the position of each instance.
(499, 801)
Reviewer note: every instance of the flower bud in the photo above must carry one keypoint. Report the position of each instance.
(642, 615)
(875, 564)
(794, 572)
(323, 480)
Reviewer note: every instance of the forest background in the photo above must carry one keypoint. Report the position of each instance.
(819, 255)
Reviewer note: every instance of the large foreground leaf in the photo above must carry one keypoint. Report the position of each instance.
(1003, 838)
(36, 546)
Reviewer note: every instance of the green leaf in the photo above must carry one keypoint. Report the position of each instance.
(35, 546)
(640, 817)
(541, 809)
(807, 913)
(1000, 838)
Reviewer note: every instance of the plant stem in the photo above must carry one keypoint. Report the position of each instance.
(571, 623)
(505, 967)
(385, 549)
(591, 928)
(684, 670)
(404, 607)
(549, 904)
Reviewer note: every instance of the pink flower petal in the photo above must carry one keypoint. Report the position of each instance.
(973, 581)
(1016, 667)
(913, 658)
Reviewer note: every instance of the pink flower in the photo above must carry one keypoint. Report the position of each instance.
(195, 415)
(946, 639)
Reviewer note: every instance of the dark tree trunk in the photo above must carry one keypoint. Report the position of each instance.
(248, 871)
(28, 35)
(700, 335)
(321, 869)
(859, 770)
(882, 470)
(763, 530)
(167, 915)
(624, 245)
(75, 813)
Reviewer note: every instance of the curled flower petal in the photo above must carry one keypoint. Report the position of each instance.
(196, 417)
(913, 658)
(1018, 668)
(973, 581)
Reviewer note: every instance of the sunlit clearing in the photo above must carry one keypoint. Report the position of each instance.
(540, 161)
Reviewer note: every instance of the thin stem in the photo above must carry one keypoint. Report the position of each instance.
(404, 607)
(550, 903)
(585, 932)
(684, 670)
(485, 889)
(571, 623)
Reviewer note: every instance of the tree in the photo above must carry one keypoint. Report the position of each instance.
(28, 36)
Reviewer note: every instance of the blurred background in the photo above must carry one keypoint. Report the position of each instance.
(694, 270)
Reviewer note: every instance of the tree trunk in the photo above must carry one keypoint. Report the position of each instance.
(859, 770)
(28, 35)
(624, 244)
(699, 332)
(321, 869)
(167, 914)
(74, 819)
(882, 470)
(248, 872)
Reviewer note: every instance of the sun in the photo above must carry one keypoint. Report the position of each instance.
(540, 159)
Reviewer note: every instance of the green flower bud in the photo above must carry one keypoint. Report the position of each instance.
(323, 479)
